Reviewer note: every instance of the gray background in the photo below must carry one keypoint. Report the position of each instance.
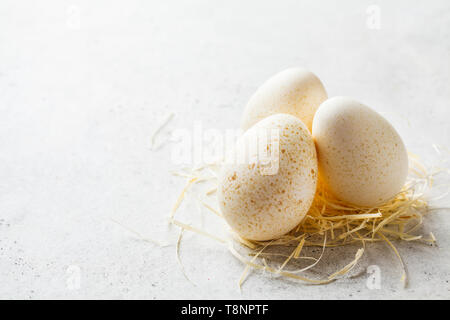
(83, 85)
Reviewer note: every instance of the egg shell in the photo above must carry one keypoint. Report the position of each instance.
(362, 158)
(294, 91)
(261, 206)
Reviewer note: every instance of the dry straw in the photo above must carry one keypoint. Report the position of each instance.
(329, 223)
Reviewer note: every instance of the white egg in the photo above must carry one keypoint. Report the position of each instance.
(260, 199)
(362, 159)
(294, 91)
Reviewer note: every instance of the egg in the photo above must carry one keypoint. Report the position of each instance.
(362, 158)
(263, 200)
(294, 91)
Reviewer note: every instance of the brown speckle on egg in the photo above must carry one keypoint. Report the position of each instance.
(266, 206)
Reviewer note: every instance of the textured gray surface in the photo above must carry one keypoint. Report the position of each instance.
(82, 87)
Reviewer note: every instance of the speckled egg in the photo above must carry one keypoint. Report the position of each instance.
(260, 199)
(294, 91)
(362, 159)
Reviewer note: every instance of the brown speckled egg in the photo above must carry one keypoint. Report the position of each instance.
(362, 159)
(294, 91)
(260, 199)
